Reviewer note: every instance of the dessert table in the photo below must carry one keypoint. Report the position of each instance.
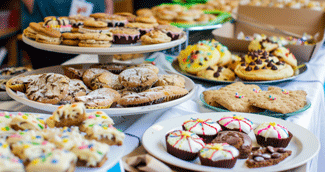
(134, 126)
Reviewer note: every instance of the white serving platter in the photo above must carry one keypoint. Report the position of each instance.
(304, 144)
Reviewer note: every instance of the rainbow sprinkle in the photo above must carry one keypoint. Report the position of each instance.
(272, 97)
(256, 90)
(284, 91)
(238, 95)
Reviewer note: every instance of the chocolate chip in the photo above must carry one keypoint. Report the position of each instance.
(278, 63)
(272, 61)
(243, 64)
(248, 68)
(263, 57)
(256, 68)
(258, 61)
(251, 63)
(191, 60)
(281, 150)
(216, 74)
(263, 67)
(220, 68)
(197, 52)
(274, 67)
(200, 64)
(269, 64)
(206, 59)
(276, 155)
(255, 148)
(265, 53)
(209, 68)
(270, 149)
(257, 154)
(259, 51)
(266, 156)
(258, 159)
(242, 59)
(267, 60)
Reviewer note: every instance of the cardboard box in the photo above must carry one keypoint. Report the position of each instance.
(298, 21)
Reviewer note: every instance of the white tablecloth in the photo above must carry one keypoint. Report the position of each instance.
(311, 81)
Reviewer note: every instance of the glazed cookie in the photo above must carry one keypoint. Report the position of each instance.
(91, 153)
(138, 79)
(106, 134)
(95, 118)
(5, 119)
(58, 160)
(217, 73)
(95, 40)
(142, 27)
(198, 57)
(125, 35)
(9, 162)
(26, 121)
(171, 92)
(48, 88)
(106, 80)
(32, 30)
(89, 74)
(170, 80)
(155, 37)
(76, 88)
(67, 115)
(264, 44)
(141, 99)
(48, 36)
(73, 73)
(102, 98)
(172, 31)
(284, 55)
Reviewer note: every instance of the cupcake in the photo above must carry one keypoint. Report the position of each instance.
(170, 80)
(272, 134)
(138, 79)
(171, 92)
(184, 144)
(206, 129)
(61, 24)
(142, 27)
(219, 155)
(236, 123)
(172, 31)
(125, 35)
(239, 140)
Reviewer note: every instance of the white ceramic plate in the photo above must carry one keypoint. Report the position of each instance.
(304, 144)
(114, 155)
(189, 85)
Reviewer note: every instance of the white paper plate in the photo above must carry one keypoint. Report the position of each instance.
(189, 85)
(304, 144)
(114, 155)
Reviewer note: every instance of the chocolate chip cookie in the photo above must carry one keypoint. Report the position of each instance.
(138, 79)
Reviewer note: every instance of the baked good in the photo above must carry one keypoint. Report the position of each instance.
(142, 27)
(239, 140)
(172, 31)
(73, 73)
(102, 98)
(27, 135)
(219, 155)
(272, 134)
(204, 128)
(48, 36)
(125, 35)
(236, 123)
(105, 134)
(26, 121)
(280, 100)
(61, 24)
(78, 20)
(106, 80)
(164, 14)
(284, 55)
(189, 15)
(184, 144)
(144, 12)
(89, 74)
(150, 66)
(267, 156)
(70, 39)
(67, 115)
(262, 44)
(209, 98)
(5, 119)
(235, 61)
(141, 99)
(124, 57)
(217, 73)
(113, 20)
(94, 27)
(4, 147)
(95, 40)
(91, 153)
(235, 97)
(148, 20)
(171, 92)
(225, 55)
(198, 57)
(3, 83)
(138, 79)
(205, 18)
(9, 162)
(31, 30)
(111, 67)
(64, 138)
(11, 71)
(57, 160)
(95, 118)
(154, 37)
(76, 88)
(48, 88)
(19, 83)
(129, 16)
(170, 80)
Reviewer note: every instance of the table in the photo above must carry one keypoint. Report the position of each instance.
(311, 81)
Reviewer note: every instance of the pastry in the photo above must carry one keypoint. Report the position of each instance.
(111, 67)
(198, 57)
(27, 135)
(149, 66)
(284, 55)
(31, 30)
(105, 134)
(71, 39)
(106, 80)
(73, 73)
(184, 144)
(48, 36)
(204, 128)
(9, 162)
(102, 98)
(219, 155)
(217, 73)
(61, 24)
(141, 99)
(172, 31)
(155, 37)
(5, 119)
(11, 71)
(170, 80)
(64, 138)
(48, 88)
(95, 118)
(142, 27)
(67, 115)
(138, 79)
(20, 83)
(171, 92)
(272, 134)
(125, 35)
(95, 40)
(26, 121)
(239, 140)
(89, 74)
(236, 123)
(76, 88)
(264, 44)
(94, 27)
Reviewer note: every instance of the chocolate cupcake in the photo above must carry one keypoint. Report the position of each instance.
(125, 35)
(219, 155)
(236, 123)
(206, 129)
(272, 134)
(172, 31)
(239, 140)
(184, 144)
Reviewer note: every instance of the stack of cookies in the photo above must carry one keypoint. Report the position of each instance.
(239, 97)
(102, 86)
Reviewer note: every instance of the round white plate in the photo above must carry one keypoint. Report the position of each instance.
(189, 85)
(114, 49)
(114, 155)
(304, 144)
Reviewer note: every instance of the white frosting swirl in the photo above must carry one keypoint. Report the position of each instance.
(219, 151)
(202, 127)
(271, 130)
(185, 140)
(237, 122)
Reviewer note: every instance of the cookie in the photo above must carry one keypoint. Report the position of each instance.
(102, 98)
(125, 57)
(144, 12)
(106, 134)
(142, 27)
(235, 97)
(9, 162)
(95, 118)
(76, 88)
(11, 71)
(225, 55)
(141, 99)
(138, 79)
(106, 80)
(4, 147)
(217, 73)
(5, 119)
(149, 20)
(111, 67)
(154, 37)
(31, 30)
(125, 35)
(48, 36)
(262, 44)
(61, 24)
(280, 100)
(94, 40)
(89, 74)
(67, 115)
(285, 55)
(150, 66)
(20, 83)
(209, 99)
(73, 73)
(114, 20)
(70, 39)
(130, 17)
(95, 24)
(64, 138)
(27, 135)
(170, 80)
(171, 92)
(26, 121)
(172, 31)
(48, 88)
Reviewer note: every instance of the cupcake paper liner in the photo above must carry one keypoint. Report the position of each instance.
(125, 40)
(173, 97)
(181, 154)
(275, 142)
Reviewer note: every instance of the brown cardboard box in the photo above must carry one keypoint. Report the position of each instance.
(294, 20)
